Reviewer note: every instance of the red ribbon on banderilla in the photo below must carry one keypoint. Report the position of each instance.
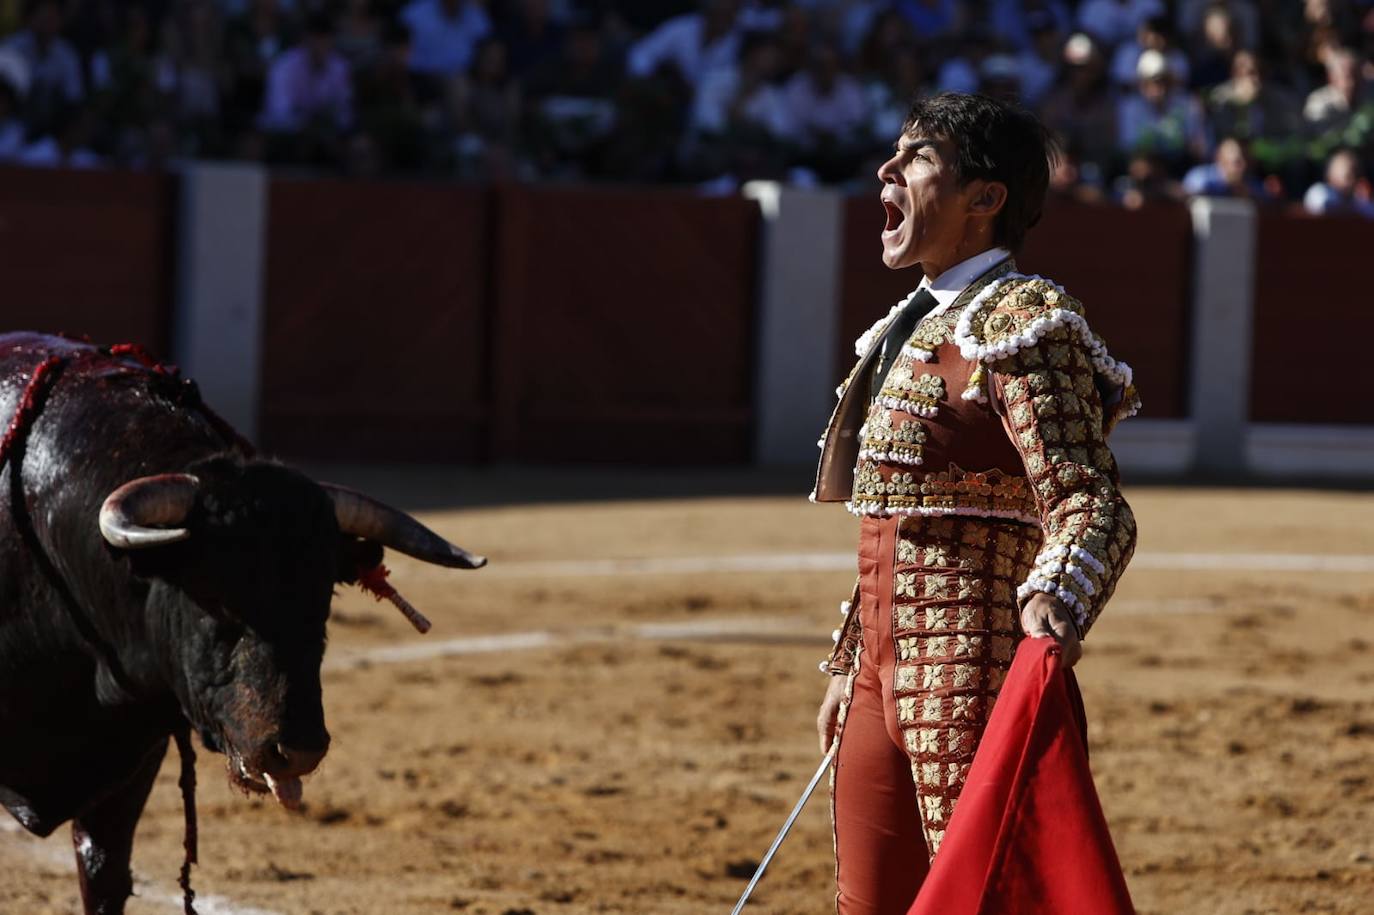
(373, 581)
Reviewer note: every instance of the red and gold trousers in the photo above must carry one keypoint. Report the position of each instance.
(940, 626)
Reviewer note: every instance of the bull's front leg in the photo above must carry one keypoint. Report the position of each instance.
(104, 839)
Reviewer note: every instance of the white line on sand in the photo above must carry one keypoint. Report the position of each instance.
(836, 562)
(764, 629)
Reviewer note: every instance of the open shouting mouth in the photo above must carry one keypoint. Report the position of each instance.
(896, 216)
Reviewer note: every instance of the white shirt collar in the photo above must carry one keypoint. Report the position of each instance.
(949, 285)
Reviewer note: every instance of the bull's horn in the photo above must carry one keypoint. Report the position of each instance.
(143, 512)
(365, 517)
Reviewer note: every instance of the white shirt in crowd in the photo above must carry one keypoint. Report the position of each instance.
(765, 107)
(57, 67)
(841, 112)
(681, 41)
(440, 44)
(298, 92)
(1127, 57)
(46, 152)
(1321, 198)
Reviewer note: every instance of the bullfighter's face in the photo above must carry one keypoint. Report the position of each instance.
(928, 211)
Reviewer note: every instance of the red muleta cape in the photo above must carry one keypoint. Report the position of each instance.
(1028, 836)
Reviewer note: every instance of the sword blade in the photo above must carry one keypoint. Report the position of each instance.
(786, 828)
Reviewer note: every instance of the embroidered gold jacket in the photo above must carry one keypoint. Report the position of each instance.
(997, 406)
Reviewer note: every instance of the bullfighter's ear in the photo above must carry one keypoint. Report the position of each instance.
(149, 511)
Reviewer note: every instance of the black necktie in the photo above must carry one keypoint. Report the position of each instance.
(921, 304)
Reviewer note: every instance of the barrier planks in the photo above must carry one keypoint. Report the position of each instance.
(88, 253)
(1310, 266)
(624, 326)
(375, 321)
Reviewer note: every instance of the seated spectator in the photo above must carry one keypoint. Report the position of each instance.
(829, 111)
(1345, 189)
(444, 35)
(637, 16)
(1334, 103)
(1114, 21)
(1249, 107)
(1324, 25)
(1160, 118)
(388, 107)
(767, 15)
(14, 82)
(1000, 77)
(1242, 18)
(1155, 33)
(1146, 181)
(742, 124)
(961, 68)
(252, 41)
(1214, 49)
(531, 32)
(572, 102)
(826, 104)
(1229, 174)
(309, 85)
(1068, 178)
(691, 44)
(359, 34)
(55, 74)
(745, 97)
(68, 145)
(485, 112)
(931, 20)
(1365, 45)
(889, 93)
(123, 72)
(1341, 113)
(1082, 107)
(1042, 59)
(795, 37)
(888, 32)
(1014, 22)
(188, 70)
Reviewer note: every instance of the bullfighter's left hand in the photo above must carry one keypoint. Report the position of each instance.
(1047, 617)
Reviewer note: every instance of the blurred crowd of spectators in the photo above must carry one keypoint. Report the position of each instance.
(1270, 99)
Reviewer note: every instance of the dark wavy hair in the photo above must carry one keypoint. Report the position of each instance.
(995, 141)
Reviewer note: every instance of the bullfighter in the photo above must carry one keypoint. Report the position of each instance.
(970, 440)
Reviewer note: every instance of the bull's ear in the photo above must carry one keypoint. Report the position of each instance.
(355, 557)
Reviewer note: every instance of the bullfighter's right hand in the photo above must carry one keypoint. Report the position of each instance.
(829, 711)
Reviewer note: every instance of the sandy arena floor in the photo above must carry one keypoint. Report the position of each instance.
(636, 747)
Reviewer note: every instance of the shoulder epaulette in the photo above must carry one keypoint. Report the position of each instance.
(1015, 312)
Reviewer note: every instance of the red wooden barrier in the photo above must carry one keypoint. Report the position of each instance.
(375, 321)
(1131, 269)
(1307, 270)
(624, 326)
(88, 252)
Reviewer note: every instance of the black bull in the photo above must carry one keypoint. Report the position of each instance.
(153, 577)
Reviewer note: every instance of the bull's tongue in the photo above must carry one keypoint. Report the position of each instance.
(287, 791)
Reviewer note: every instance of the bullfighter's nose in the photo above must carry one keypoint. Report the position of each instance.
(297, 762)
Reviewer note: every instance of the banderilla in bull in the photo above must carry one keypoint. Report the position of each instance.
(786, 828)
